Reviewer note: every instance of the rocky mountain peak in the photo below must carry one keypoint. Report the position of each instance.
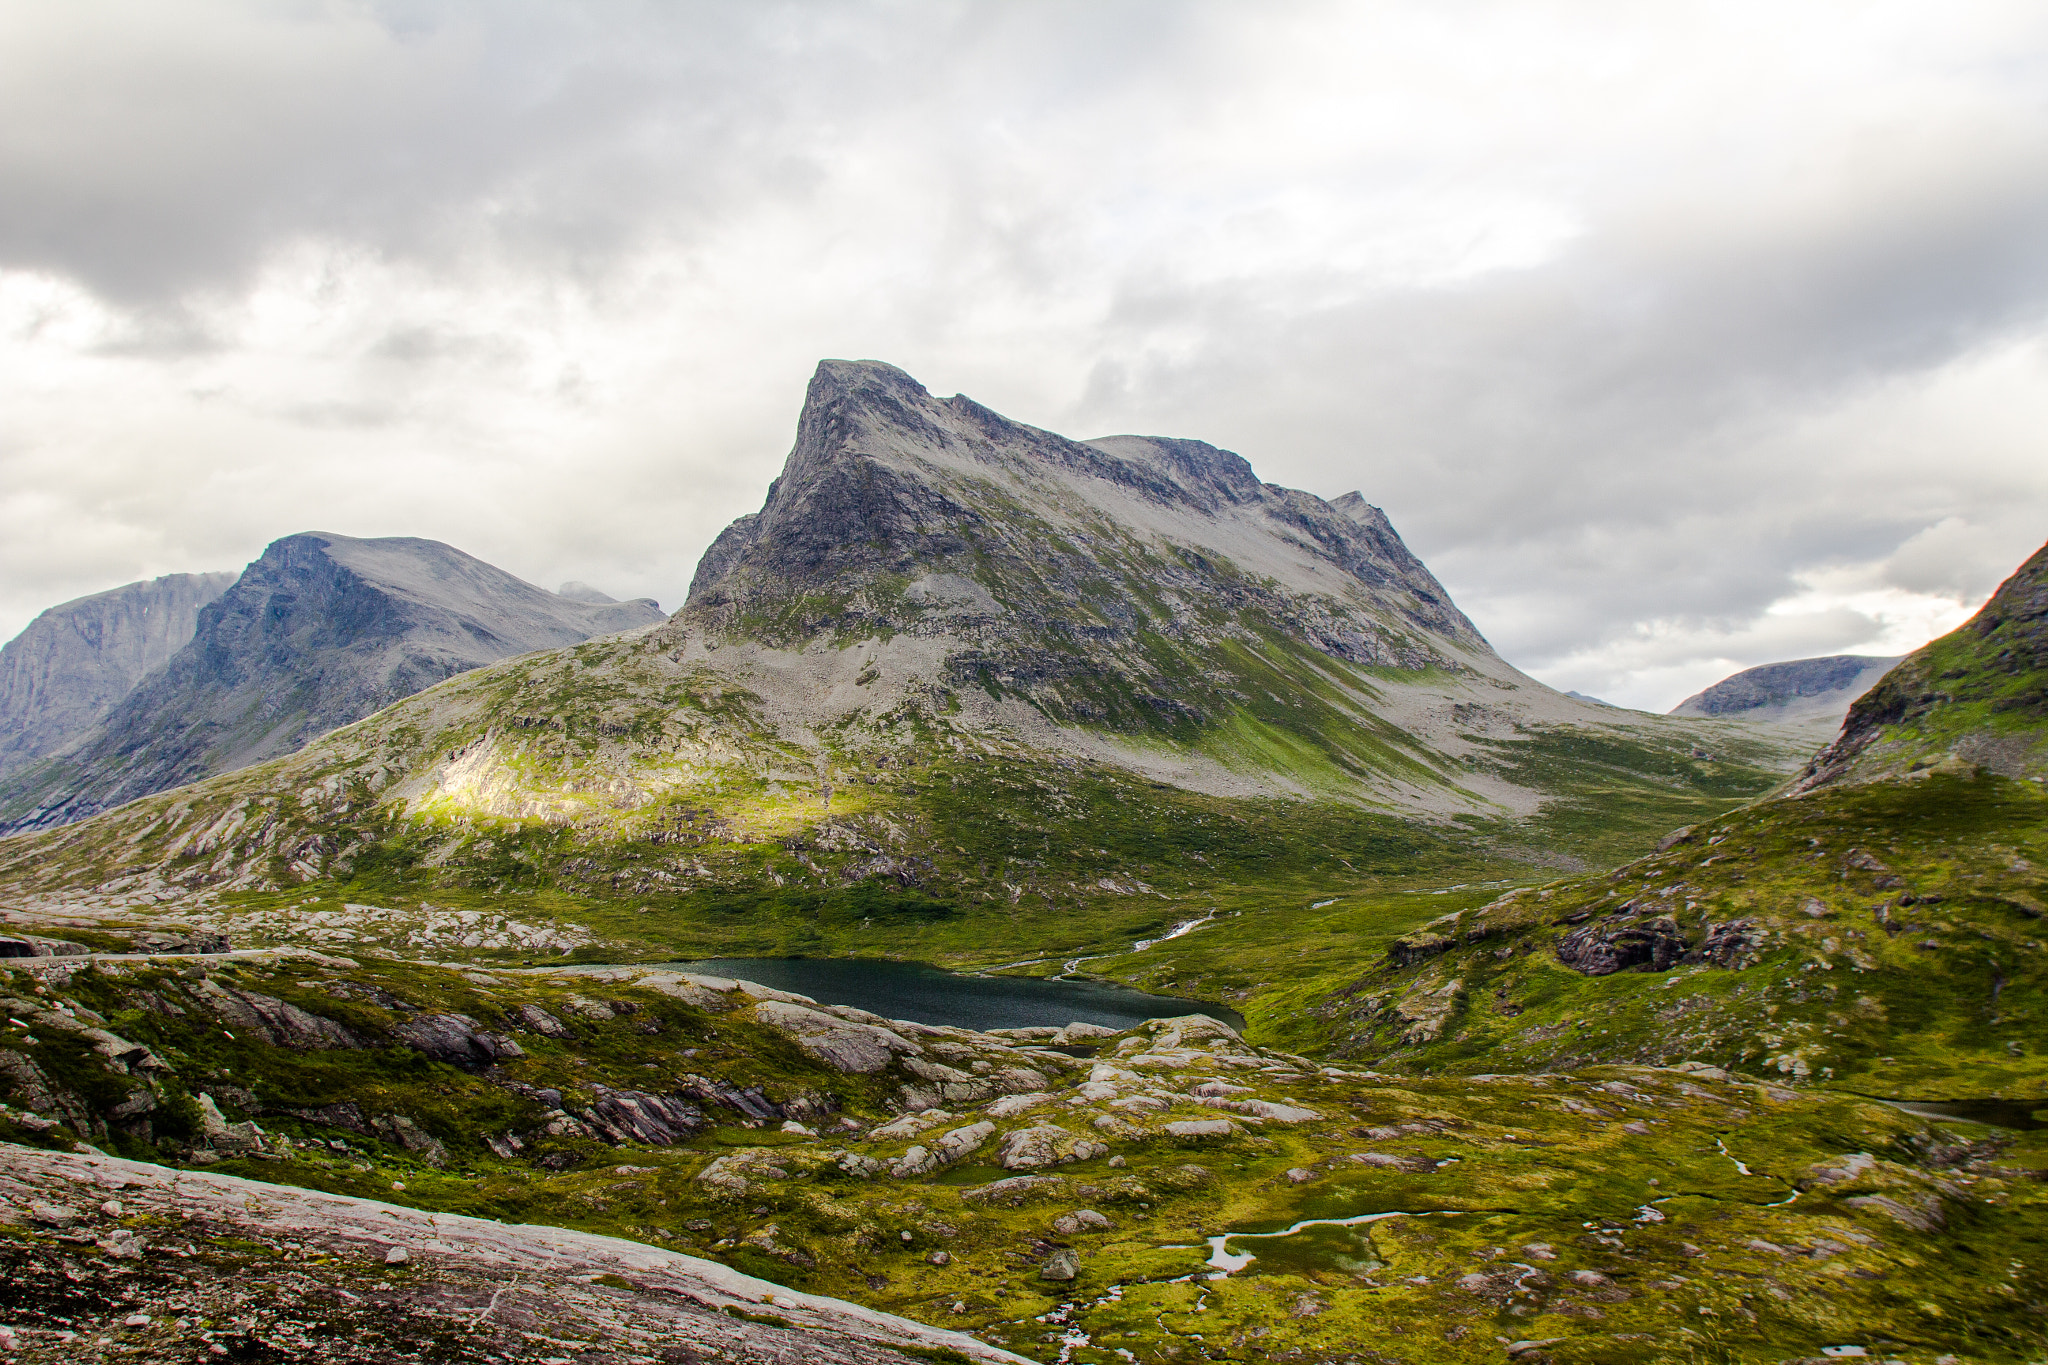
(1072, 546)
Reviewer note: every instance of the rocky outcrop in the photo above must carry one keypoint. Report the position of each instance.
(454, 1038)
(1045, 1144)
(634, 1116)
(74, 663)
(277, 1022)
(1617, 944)
(1734, 945)
(513, 1292)
(841, 1044)
(320, 631)
(1055, 567)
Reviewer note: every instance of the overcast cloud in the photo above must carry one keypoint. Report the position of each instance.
(1675, 338)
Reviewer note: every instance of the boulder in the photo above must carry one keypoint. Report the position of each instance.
(951, 1084)
(402, 1131)
(541, 1022)
(961, 1142)
(909, 1125)
(1418, 947)
(1201, 1130)
(734, 1173)
(1063, 1264)
(1019, 1080)
(1009, 1106)
(1081, 1220)
(1078, 1032)
(1277, 1113)
(1841, 1170)
(856, 1165)
(915, 1162)
(1734, 945)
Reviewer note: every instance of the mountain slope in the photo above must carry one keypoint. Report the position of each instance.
(1799, 691)
(76, 661)
(320, 631)
(1978, 696)
(1878, 926)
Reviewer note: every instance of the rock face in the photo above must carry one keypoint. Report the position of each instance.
(502, 1291)
(1975, 698)
(320, 631)
(1609, 945)
(1807, 691)
(71, 667)
(1054, 561)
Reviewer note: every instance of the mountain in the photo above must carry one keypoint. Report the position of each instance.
(1807, 692)
(321, 630)
(1876, 925)
(972, 673)
(966, 691)
(76, 661)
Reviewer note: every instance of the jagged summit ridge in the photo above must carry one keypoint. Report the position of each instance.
(1058, 562)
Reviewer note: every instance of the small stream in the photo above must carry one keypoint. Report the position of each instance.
(1224, 1260)
(1222, 1263)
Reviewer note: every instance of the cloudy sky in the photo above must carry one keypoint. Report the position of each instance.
(1676, 338)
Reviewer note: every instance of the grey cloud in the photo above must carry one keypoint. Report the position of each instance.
(1600, 426)
(1641, 432)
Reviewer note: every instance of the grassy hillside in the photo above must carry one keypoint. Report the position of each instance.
(1619, 1214)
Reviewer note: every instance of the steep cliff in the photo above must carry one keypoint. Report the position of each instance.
(76, 661)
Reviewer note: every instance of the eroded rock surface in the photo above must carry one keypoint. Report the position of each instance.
(282, 1273)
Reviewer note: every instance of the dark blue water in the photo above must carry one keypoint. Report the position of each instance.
(2025, 1115)
(932, 995)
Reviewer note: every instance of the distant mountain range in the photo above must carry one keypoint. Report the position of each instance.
(159, 684)
(1137, 628)
(1813, 693)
